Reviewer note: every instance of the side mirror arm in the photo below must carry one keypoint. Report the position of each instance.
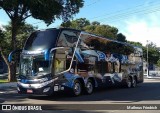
(11, 54)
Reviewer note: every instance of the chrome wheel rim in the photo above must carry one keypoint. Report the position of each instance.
(129, 83)
(134, 83)
(77, 88)
(89, 87)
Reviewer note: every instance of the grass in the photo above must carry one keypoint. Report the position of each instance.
(3, 81)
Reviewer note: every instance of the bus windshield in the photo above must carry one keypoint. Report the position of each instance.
(34, 66)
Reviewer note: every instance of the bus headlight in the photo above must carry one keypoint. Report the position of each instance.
(46, 89)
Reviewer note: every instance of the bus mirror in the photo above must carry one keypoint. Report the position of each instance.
(72, 70)
(11, 54)
(46, 55)
(51, 50)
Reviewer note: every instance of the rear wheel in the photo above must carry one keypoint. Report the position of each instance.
(134, 82)
(129, 82)
(77, 88)
(89, 87)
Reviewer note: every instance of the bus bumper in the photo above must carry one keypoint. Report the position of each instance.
(47, 90)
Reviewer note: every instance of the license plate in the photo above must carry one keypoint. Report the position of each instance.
(29, 91)
(55, 88)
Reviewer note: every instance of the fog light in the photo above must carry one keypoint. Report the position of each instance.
(46, 89)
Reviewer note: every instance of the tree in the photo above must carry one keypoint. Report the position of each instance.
(106, 31)
(158, 63)
(22, 34)
(121, 37)
(94, 27)
(66, 24)
(47, 10)
(95, 23)
(135, 43)
(5, 41)
(153, 53)
(76, 24)
(1, 37)
(90, 28)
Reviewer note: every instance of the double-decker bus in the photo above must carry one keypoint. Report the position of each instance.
(66, 59)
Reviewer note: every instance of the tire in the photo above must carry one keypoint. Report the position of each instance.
(77, 88)
(89, 87)
(134, 83)
(129, 82)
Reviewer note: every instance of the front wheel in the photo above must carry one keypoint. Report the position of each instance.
(77, 88)
(89, 87)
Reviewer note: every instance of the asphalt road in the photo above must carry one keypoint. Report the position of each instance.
(120, 97)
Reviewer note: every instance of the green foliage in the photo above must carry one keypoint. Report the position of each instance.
(106, 31)
(23, 33)
(158, 63)
(76, 24)
(1, 37)
(94, 27)
(121, 37)
(46, 10)
(153, 53)
(90, 28)
(3, 81)
(4, 45)
(95, 23)
(135, 43)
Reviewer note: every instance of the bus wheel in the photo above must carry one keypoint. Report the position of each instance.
(89, 87)
(77, 88)
(129, 82)
(134, 82)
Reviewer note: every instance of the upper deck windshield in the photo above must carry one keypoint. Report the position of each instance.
(41, 40)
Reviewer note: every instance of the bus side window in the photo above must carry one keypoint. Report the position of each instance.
(117, 66)
(61, 62)
(82, 69)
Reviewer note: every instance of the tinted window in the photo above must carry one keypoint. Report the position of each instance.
(41, 40)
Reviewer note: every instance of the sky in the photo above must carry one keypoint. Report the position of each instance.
(138, 20)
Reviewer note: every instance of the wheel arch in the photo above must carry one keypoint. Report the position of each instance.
(81, 81)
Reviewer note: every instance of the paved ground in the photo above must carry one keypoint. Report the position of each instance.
(146, 93)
